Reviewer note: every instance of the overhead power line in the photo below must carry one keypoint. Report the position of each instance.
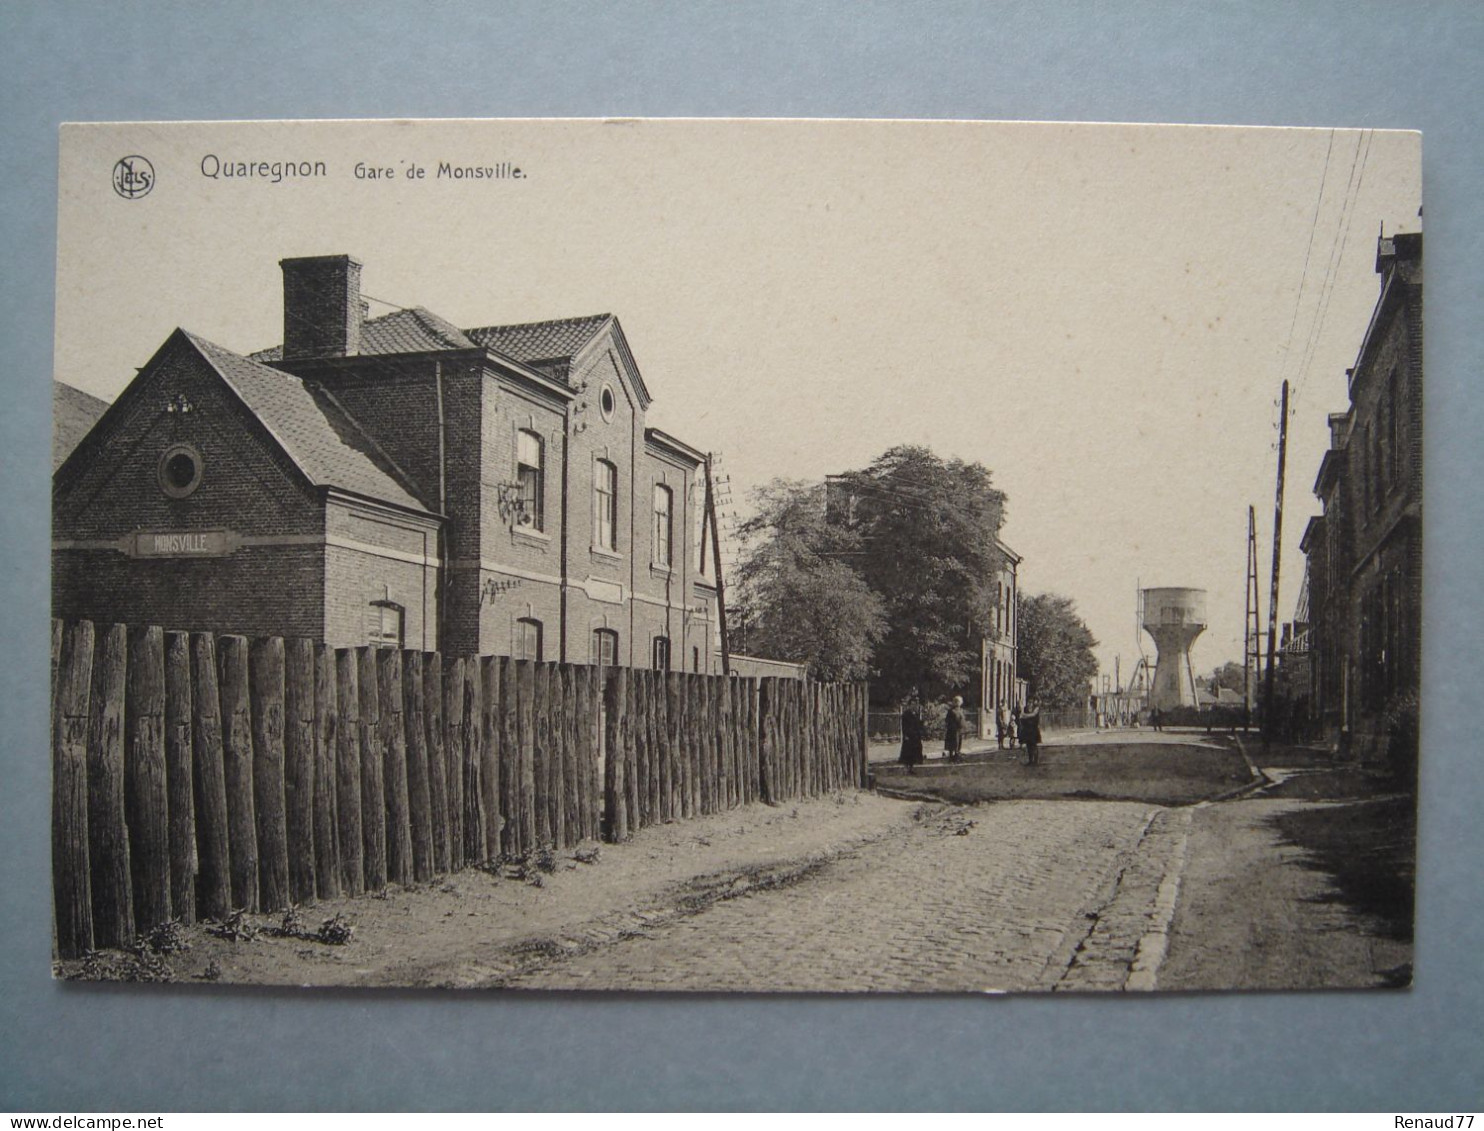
(1308, 250)
(1343, 237)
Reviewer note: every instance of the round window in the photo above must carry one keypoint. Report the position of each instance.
(180, 470)
(606, 402)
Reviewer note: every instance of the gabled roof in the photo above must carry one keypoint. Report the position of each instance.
(414, 330)
(319, 436)
(411, 331)
(550, 347)
(74, 413)
(545, 347)
(532, 343)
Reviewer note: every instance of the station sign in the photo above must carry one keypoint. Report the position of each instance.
(181, 544)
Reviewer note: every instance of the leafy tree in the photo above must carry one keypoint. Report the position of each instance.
(925, 531)
(1055, 650)
(1229, 675)
(799, 599)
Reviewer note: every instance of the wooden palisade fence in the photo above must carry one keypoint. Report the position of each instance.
(194, 774)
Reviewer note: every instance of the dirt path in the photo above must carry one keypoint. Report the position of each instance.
(1253, 915)
(474, 928)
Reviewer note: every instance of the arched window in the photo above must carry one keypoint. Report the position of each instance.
(530, 473)
(605, 647)
(527, 644)
(605, 505)
(664, 525)
(661, 653)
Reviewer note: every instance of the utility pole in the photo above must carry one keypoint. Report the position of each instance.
(1252, 645)
(721, 592)
(1268, 686)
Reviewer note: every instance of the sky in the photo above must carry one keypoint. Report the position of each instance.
(1102, 315)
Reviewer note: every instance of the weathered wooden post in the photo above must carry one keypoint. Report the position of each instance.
(426, 833)
(326, 777)
(107, 829)
(373, 788)
(180, 794)
(510, 832)
(394, 766)
(526, 722)
(659, 765)
(615, 801)
(541, 749)
(72, 901)
(571, 813)
(453, 757)
(548, 757)
(266, 665)
(670, 749)
(695, 753)
(348, 771)
(590, 719)
(755, 738)
(633, 732)
(438, 791)
(237, 749)
(767, 784)
(471, 691)
(639, 815)
(298, 766)
(214, 877)
(146, 797)
(490, 754)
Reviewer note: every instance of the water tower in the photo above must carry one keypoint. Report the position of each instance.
(1174, 617)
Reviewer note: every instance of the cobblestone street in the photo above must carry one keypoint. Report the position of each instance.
(1015, 896)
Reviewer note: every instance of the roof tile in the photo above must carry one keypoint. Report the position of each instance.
(315, 432)
(532, 342)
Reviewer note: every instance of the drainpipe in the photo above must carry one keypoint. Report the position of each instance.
(444, 562)
(562, 588)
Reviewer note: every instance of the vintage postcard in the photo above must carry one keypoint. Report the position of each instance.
(822, 556)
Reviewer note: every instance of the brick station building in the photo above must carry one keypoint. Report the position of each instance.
(1364, 551)
(396, 481)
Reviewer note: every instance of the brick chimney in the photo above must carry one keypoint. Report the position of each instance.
(322, 308)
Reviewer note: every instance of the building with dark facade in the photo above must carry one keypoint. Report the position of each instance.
(998, 683)
(1364, 551)
(393, 480)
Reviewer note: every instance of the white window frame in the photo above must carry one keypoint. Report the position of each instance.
(519, 649)
(662, 532)
(533, 502)
(605, 505)
(600, 635)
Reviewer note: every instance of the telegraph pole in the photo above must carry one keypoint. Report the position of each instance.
(1268, 687)
(1252, 645)
(721, 592)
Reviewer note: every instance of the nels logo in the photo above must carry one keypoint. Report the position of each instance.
(133, 177)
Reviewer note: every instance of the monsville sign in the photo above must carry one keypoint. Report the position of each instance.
(181, 544)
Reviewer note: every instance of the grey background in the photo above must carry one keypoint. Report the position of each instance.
(1332, 64)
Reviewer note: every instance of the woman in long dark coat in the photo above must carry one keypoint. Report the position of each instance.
(1030, 732)
(911, 755)
(953, 730)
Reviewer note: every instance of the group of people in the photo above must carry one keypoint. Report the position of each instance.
(1012, 725)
